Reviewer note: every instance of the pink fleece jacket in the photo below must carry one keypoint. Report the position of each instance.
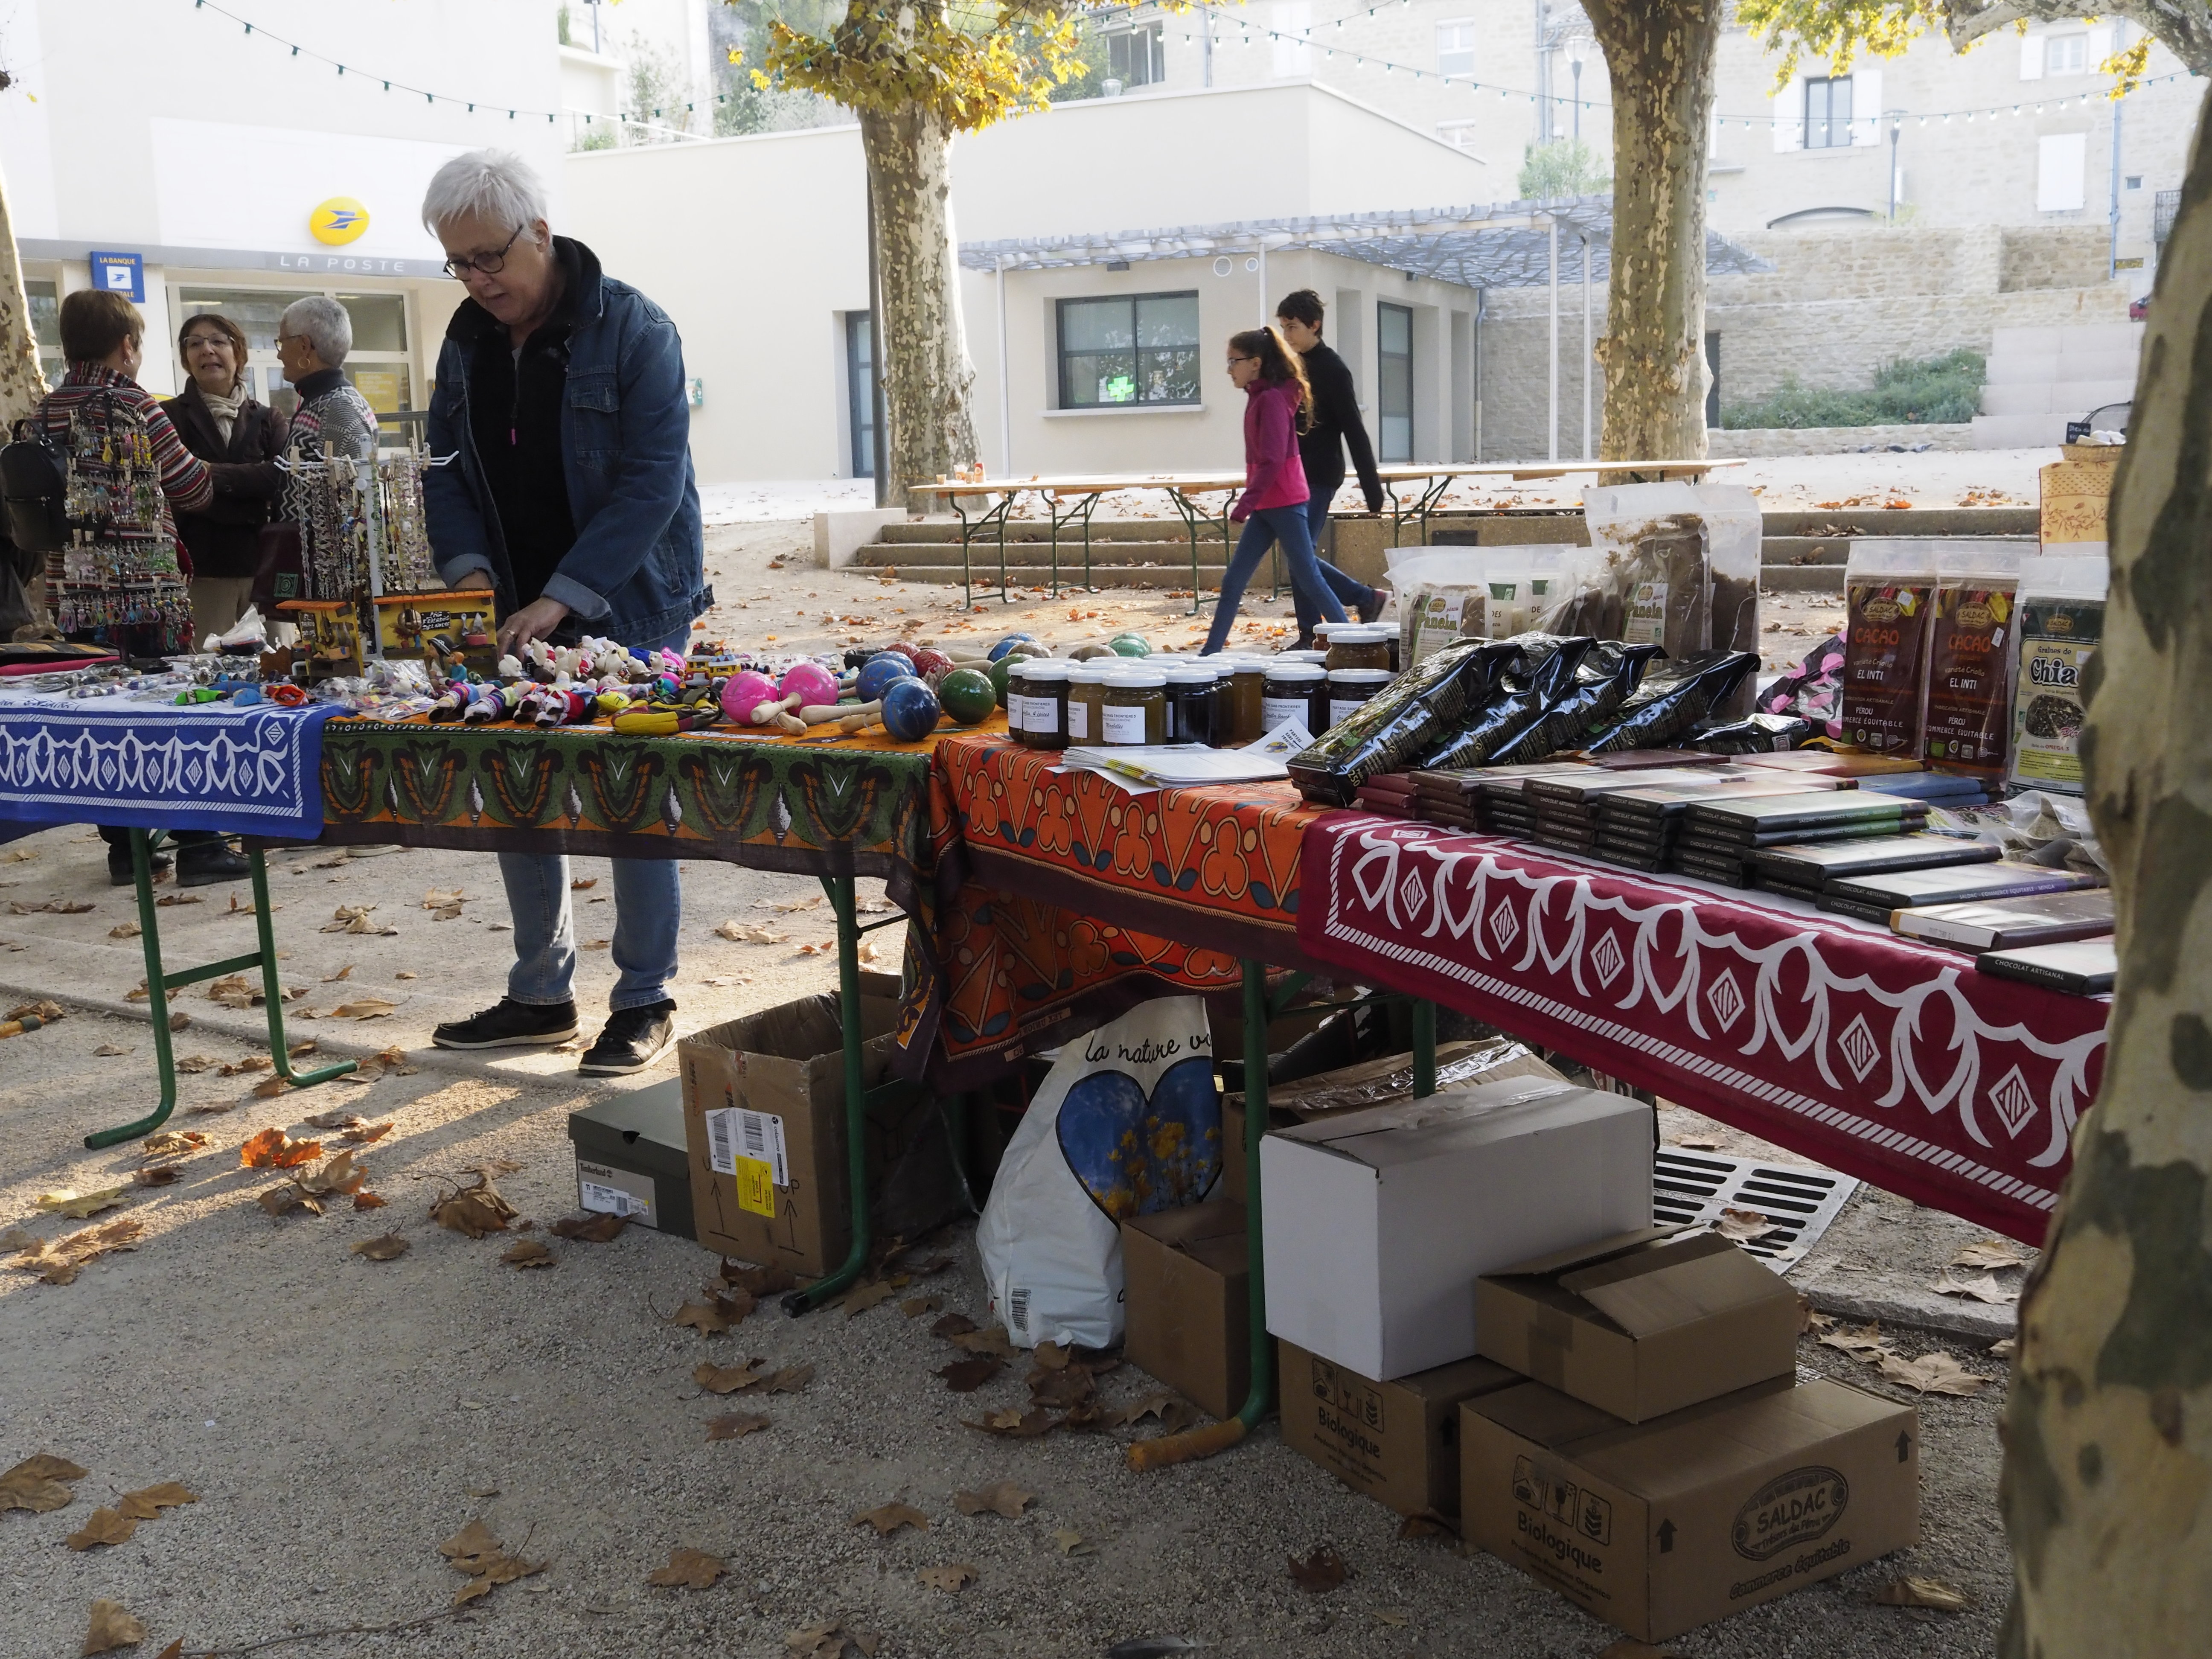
(1273, 474)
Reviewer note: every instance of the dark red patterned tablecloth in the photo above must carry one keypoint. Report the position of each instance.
(1891, 1060)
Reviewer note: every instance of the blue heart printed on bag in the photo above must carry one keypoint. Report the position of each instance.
(1135, 1153)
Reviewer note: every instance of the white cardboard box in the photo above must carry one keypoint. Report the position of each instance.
(1376, 1223)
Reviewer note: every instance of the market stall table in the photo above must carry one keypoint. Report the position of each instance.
(152, 767)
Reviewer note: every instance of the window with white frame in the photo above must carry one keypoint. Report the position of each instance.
(2061, 172)
(1828, 111)
(1130, 349)
(2066, 54)
(1455, 47)
(1459, 135)
(1137, 56)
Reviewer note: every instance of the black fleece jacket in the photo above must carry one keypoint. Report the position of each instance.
(1335, 424)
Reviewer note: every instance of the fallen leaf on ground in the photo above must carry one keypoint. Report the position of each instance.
(272, 1149)
(81, 1206)
(271, 1088)
(746, 932)
(590, 1229)
(147, 1502)
(493, 1166)
(1319, 1572)
(790, 906)
(161, 1174)
(702, 1316)
(354, 919)
(2005, 1349)
(1174, 1413)
(999, 1497)
(1743, 1226)
(36, 1484)
(1014, 1425)
(367, 1134)
(386, 1248)
(861, 1297)
(368, 1200)
(172, 1143)
(1865, 1343)
(283, 1201)
(109, 1050)
(57, 1260)
(966, 1376)
(690, 1569)
(728, 1379)
(1062, 1388)
(953, 1324)
(475, 1209)
(345, 972)
(1912, 1590)
(1990, 1253)
(994, 1343)
(735, 1427)
(1983, 1287)
(111, 1627)
(364, 1008)
(828, 1641)
(790, 1380)
(890, 1517)
(334, 1120)
(476, 1552)
(1932, 1373)
(914, 1306)
(337, 1177)
(581, 883)
(957, 1576)
(1426, 1524)
(756, 1281)
(233, 991)
(1395, 1620)
(527, 1253)
(1069, 1541)
(196, 1063)
(168, 901)
(103, 1526)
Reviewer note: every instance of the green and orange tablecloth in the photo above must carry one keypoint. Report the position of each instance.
(1077, 898)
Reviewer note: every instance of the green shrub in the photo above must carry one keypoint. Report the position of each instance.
(1945, 389)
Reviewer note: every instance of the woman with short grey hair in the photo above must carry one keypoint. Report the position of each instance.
(312, 340)
(495, 186)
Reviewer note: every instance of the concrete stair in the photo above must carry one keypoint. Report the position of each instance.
(2038, 379)
(1800, 552)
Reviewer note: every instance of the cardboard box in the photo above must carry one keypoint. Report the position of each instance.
(1396, 1442)
(631, 1160)
(765, 1127)
(1377, 1223)
(1187, 1309)
(1660, 1526)
(1641, 1325)
(1489, 1061)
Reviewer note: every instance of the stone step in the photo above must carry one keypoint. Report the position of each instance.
(1780, 551)
(2019, 431)
(1904, 521)
(1027, 556)
(1026, 577)
(1026, 531)
(1801, 578)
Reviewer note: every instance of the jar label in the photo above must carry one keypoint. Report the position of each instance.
(1273, 711)
(1340, 709)
(1122, 725)
(1078, 721)
(1018, 712)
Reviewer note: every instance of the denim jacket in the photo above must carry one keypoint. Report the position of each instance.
(637, 571)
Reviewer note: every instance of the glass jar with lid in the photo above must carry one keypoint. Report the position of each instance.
(1348, 688)
(1359, 644)
(1134, 708)
(1295, 690)
(1240, 685)
(1044, 708)
(1086, 699)
(1192, 698)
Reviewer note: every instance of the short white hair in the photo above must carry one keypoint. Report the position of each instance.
(325, 324)
(493, 184)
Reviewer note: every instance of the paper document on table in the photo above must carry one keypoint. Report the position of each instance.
(1176, 765)
(1285, 741)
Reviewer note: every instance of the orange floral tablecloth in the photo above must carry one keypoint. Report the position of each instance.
(1076, 899)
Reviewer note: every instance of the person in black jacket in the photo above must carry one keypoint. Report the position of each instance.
(219, 421)
(1335, 424)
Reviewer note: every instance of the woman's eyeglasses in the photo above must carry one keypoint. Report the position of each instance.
(207, 342)
(484, 264)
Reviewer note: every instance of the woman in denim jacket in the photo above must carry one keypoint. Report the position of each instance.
(561, 392)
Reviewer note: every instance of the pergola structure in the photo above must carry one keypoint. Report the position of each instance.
(1504, 244)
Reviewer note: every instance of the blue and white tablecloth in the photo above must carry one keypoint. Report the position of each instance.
(253, 771)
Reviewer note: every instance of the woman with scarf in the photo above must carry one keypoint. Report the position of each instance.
(218, 419)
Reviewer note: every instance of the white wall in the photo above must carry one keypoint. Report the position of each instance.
(756, 247)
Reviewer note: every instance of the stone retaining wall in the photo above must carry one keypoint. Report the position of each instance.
(1750, 443)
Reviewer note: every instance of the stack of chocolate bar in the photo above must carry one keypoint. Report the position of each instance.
(1719, 838)
(1637, 827)
(1805, 869)
(1567, 807)
(1388, 792)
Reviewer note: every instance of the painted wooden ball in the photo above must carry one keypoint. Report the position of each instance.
(910, 710)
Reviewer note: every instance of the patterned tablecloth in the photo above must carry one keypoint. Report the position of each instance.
(1080, 899)
(1891, 1060)
(158, 766)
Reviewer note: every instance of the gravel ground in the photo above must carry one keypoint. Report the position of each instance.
(339, 1417)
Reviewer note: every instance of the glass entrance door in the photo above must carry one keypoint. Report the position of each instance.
(1394, 364)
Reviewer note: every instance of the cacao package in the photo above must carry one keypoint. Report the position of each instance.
(2061, 622)
(1539, 676)
(1967, 726)
(1399, 721)
(1672, 698)
(1604, 681)
(1889, 592)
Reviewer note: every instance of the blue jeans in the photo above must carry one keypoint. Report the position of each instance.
(648, 911)
(1350, 591)
(1270, 525)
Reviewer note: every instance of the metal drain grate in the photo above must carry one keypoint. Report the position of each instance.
(1692, 1189)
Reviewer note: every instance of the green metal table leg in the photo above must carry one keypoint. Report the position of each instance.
(1261, 1398)
(1424, 1046)
(160, 983)
(840, 889)
(1430, 499)
(1189, 511)
(967, 573)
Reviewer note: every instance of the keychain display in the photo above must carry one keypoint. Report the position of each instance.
(119, 570)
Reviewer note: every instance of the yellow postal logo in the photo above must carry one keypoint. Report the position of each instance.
(337, 222)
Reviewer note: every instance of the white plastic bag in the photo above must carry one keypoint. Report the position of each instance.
(1128, 1121)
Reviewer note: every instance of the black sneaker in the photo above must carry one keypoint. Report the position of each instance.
(119, 873)
(200, 864)
(633, 1039)
(511, 1026)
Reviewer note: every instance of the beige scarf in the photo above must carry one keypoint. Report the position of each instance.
(225, 409)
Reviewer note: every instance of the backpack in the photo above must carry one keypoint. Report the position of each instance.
(33, 493)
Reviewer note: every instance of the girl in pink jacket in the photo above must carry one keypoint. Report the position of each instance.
(1272, 507)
